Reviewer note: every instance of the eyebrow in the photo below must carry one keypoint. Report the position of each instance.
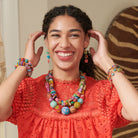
(72, 30)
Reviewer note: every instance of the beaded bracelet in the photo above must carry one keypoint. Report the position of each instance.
(111, 72)
(27, 64)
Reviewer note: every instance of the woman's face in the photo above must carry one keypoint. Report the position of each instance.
(66, 41)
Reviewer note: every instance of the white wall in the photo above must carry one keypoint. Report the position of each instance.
(31, 14)
(11, 44)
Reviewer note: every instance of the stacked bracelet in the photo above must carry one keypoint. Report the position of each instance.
(27, 64)
(111, 72)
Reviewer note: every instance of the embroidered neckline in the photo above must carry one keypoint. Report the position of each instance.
(66, 81)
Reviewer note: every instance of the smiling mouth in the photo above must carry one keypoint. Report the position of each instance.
(63, 54)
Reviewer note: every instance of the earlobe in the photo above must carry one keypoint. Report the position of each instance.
(86, 43)
(87, 40)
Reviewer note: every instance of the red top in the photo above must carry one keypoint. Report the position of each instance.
(96, 118)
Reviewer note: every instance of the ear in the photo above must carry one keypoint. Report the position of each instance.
(86, 40)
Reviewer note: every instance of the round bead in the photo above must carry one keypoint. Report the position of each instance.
(56, 99)
(72, 102)
(65, 110)
(80, 100)
(63, 103)
(53, 104)
(53, 92)
(73, 109)
(58, 108)
(50, 99)
(59, 102)
(77, 105)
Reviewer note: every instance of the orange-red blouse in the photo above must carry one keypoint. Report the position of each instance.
(96, 118)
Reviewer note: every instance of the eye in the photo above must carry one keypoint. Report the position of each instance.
(55, 35)
(74, 35)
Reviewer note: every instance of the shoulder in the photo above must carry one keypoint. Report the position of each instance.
(97, 83)
(31, 80)
(102, 88)
(31, 84)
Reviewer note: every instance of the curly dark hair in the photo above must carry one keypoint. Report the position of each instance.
(85, 22)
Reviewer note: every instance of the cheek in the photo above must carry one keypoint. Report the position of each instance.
(52, 44)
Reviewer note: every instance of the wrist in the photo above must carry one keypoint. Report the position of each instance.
(107, 64)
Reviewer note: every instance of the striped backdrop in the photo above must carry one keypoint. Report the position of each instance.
(122, 38)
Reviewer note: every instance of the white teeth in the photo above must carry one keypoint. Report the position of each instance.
(64, 54)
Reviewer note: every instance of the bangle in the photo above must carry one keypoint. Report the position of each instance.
(27, 64)
(111, 72)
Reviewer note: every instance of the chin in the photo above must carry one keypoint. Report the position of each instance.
(68, 67)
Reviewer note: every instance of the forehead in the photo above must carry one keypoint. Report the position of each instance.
(65, 23)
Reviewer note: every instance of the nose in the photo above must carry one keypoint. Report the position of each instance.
(64, 42)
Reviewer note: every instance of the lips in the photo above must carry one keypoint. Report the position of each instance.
(65, 55)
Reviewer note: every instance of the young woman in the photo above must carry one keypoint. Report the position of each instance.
(67, 103)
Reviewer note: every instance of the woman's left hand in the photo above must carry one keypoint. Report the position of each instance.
(100, 57)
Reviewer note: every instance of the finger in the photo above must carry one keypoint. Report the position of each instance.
(32, 37)
(96, 34)
(35, 35)
(39, 51)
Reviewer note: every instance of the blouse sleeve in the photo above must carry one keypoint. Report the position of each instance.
(112, 105)
(23, 100)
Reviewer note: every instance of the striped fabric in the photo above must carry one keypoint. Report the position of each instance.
(122, 38)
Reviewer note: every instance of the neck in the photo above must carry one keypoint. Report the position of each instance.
(66, 75)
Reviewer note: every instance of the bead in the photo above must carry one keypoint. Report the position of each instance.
(48, 56)
(63, 103)
(56, 99)
(112, 74)
(59, 102)
(58, 108)
(72, 102)
(74, 99)
(72, 109)
(80, 100)
(50, 99)
(65, 110)
(26, 60)
(53, 92)
(53, 104)
(77, 105)
(78, 94)
(86, 60)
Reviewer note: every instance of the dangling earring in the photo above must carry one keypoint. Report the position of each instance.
(48, 56)
(85, 56)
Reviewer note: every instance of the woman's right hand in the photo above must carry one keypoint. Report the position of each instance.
(30, 49)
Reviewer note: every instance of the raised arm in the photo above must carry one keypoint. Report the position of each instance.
(127, 92)
(9, 86)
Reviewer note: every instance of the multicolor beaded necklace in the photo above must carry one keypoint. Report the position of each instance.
(70, 105)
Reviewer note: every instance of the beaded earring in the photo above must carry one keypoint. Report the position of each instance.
(85, 56)
(48, 56)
